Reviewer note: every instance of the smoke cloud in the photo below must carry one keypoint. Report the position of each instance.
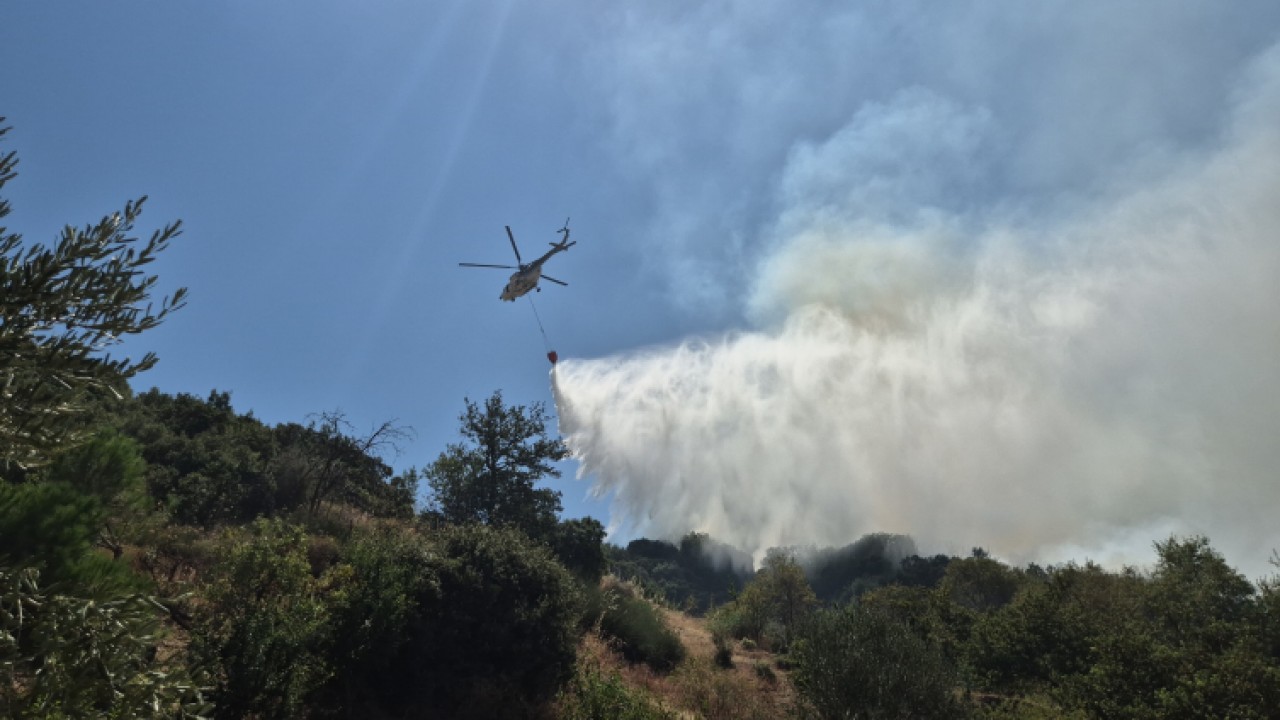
(1048, 379)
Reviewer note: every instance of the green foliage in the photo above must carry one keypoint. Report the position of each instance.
(594, 694)
(770, 607)
(841, 574)
(60, 308)
(264, 629)
(1196, 599)
(786, 592)
(723, 656)
(857, 662)
(696, 575)
(469, 621)
(490, 479)
(653, 549)
(916, 571)
(67, 657)
(726, 624)
(1191, 639)
(205, 463)
(327, 461)
(175, 554)
(1269, 612)
(382, 594)
(52, 527)
(1194, 648)
(979, 583)
(500, 637)
(209, 465)
(579, 546)
(109, 468)
(637, 630)
(1029, 643)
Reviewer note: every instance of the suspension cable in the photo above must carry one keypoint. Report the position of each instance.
(545, 342)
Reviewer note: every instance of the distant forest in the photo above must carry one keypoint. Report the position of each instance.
(163, 556)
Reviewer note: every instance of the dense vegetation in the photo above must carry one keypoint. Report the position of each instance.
(695, 575)
(165, 556)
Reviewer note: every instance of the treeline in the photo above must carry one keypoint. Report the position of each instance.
(699, 573)
(694, 575)
(1190, 638)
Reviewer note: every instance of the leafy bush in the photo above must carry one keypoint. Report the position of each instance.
(175, 554)
(265, 628)
(71, 657)
(53, 527)
(770, 607)
(696, 575)
(381, 590)
(638, 631)
(1193, 647)
(725, 624)
(579, 546)
(859, 662)
(499, 638)
(596, 695)
(723, 657)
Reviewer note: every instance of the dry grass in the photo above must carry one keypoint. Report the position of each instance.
(742, 691)
(697, 688)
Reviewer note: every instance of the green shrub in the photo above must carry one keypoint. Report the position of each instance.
(64, 657)
(381, 590)
(53, 527)
(859, 662)
(596, 695)
(638, 631)
(726, 623)
(500, 636)
(265, 626)
(579, 546)
(724, 653)
(770, 607)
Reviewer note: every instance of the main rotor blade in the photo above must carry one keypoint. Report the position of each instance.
(504, 267)
(558, 282)
(512, 238)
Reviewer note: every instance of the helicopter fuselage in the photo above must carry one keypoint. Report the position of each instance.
(526, 276)
(521, 282)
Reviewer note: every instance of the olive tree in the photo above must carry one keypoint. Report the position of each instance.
(61, 308)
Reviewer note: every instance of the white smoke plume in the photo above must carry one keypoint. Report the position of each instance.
(1048, 384)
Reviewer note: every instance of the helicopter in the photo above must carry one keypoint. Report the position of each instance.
(526, 276)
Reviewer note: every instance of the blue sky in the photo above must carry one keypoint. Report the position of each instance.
(332, 163)
(730, 168)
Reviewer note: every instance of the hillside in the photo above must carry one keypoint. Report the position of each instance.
(755, 686)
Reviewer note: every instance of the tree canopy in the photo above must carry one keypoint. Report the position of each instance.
(490, 478)
(61, 307)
